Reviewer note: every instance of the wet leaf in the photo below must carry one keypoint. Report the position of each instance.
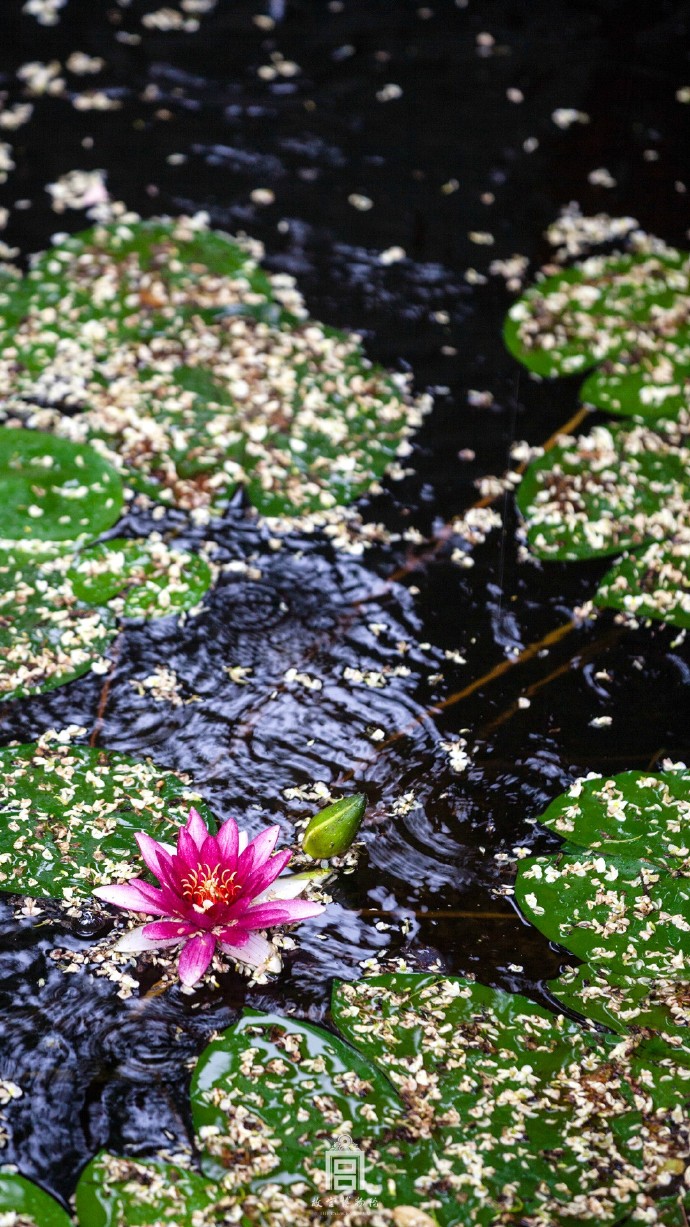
(23, 1204)
(272, 1095)
(70, 813)
(333, 829)
(119, 1192)
(151, 579)
(617, 488)
(47, 635)
(54, 490)
(196, 371)
(531, 1114)
(627, 916)
(653, 584)
(627, 1005)
(626, 314)
(634, 815)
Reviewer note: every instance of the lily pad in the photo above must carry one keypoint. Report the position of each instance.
(165, 341)
(149, 578)
(119, 1192)
(653, 584)
(47, 635)
(533, 1116)
(635, 814)
(293, 1089)
(617, 488)
(627, 1005)
(626, 314)
(54, 490)
(70, 812)
(624, 915)
(23, 1204)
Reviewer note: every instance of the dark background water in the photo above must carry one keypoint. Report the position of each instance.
(99, 1071)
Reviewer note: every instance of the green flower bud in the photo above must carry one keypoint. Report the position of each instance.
(331, 831)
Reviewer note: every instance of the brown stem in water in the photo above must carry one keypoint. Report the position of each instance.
(105, 692)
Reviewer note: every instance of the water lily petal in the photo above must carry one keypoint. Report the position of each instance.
(210, 852)
(228, 842)
(291, 885)
(134, 941)
(187, 850)
(196, 827)
(135, 896)
(246, 947)
(265, 873)
(195, 958)
(168, 930)
(282, 912)
(245, 863)
(153, 853)
(264, 843)
(243, 841)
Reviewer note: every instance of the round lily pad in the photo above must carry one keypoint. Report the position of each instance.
(616, 488)
(47, 635)
(23, 1204)
(627, 916)
(626, 314)
(652, 584)
(114, 1191)
(163, 341)
(634, 815)
(142, 578)
(70, 813)
(296, 1089)
(54, 490)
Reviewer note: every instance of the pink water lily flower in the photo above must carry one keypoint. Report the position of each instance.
(214, 889)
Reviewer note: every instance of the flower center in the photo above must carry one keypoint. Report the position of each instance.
(205, 886)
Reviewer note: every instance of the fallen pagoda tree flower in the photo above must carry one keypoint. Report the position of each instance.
(214, 890)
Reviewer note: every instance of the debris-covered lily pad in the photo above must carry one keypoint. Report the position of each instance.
(159, 339)
(634, 815)
(47, 635)
(23, 1204)
(70, 813)
(295, 1089)
(54, 490)
(626, 314)
(114, 1191)
(628, 1005)
(616, 488)
(625, 915)
(150, 578)
(652, 584)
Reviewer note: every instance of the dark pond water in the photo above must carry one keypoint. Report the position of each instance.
(452, 155)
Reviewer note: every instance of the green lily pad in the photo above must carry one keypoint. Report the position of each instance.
(625, 314)
(23, 1204)
(627, 916)
(47, 635)
(653, 584)
(627, 1005)
(617, 488)
(119, 1192)
(633, 815)
(54, 490)
(70, 813)
(150, 578)
(196, 371)
(531, 1115)
(294, 1089)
